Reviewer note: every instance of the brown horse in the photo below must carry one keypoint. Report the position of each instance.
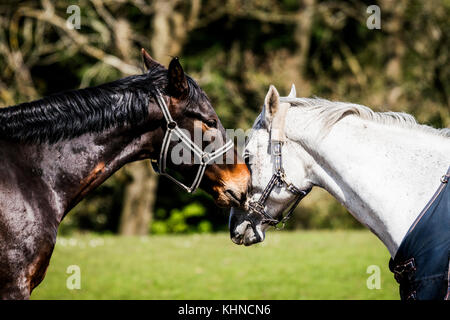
(56, 150)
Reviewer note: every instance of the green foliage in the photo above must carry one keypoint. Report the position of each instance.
(178, 221)
(320, 211)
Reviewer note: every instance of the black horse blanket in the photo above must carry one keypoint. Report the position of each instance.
(421, 264)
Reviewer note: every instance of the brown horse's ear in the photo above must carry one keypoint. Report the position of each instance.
(178, 85)
(148, 61)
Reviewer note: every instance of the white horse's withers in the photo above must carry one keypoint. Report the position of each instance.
(383, 167)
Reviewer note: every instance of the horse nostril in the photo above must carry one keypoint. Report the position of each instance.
(239, 198)
(238, 239)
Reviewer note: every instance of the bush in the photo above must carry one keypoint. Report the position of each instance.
(182, 221)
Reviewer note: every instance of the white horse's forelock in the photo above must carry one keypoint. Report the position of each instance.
(330, 112)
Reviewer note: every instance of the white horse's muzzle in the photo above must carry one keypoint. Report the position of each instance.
(245, 228)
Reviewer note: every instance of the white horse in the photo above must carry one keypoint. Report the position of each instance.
(383, 167)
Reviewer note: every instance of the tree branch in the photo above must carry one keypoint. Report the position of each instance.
(80, 40)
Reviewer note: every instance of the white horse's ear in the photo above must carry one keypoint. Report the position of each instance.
(271, 104)
(293, 93)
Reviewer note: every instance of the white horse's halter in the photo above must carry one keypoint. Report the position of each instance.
(277, 138)
(204, 157)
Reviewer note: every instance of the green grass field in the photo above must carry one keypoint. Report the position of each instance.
(288, 265)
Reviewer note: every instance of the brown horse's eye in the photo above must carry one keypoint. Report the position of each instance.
(247, 158)
(211, 123)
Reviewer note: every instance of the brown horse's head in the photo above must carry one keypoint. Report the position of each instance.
(226, 178)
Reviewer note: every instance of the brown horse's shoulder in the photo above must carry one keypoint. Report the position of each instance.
(24, 258)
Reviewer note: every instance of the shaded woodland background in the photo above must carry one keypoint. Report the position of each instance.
(235, 49)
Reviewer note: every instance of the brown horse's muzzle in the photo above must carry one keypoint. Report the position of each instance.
(229, 184)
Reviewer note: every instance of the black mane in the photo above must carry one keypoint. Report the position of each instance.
(73, 113)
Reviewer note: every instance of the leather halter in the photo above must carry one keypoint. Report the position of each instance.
(172, 129)
(278, 179)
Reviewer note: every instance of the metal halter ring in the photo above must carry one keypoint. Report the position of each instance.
(171, 125)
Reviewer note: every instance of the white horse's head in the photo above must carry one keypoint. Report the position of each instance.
(246, 226)
(371, 162)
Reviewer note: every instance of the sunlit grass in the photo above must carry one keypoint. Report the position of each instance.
(288, 265)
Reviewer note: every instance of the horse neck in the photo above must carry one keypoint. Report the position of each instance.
(68, 170)
(384, 175)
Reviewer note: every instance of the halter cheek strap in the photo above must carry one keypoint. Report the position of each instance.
(204, 157)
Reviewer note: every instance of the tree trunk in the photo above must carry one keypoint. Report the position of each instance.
(395, 46)
(140, 194)
(139, 198)
(302, 38)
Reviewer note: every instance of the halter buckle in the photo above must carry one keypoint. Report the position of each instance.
(277, 148)
(256, 206)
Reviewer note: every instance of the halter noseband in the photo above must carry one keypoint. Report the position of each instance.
(278, 179)
(172, 128)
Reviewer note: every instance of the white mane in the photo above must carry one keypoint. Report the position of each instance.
(329, 113)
